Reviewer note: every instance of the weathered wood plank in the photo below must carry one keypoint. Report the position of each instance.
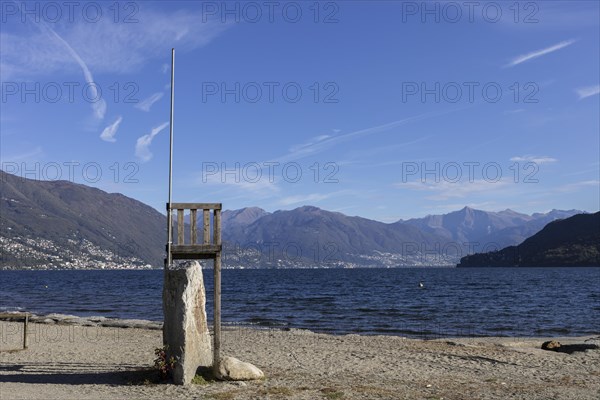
(180, 227)
(14, 315)
(217, 227)
(206, 226)
(193, 218)
(25, 324)
(193, 256)
(217, 314)
(183, 249)
(198, 206)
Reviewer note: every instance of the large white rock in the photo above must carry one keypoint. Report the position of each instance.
(232, 369)
(185, 331)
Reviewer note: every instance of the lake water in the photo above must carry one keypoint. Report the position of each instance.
(453, 302)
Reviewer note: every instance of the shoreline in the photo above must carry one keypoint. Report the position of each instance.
(66, 361)
(241, 268)
(99, 321)
(129, 323)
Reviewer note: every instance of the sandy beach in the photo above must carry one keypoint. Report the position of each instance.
(91, 362)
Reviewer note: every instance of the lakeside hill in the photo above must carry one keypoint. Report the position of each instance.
(44, 224)
(76, 226)
(574, 241)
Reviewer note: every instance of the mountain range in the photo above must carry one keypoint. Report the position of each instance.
(503, 228)
(573, 241)
(330, 237)
(44, 224)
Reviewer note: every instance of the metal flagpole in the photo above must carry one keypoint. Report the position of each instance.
(169, 217)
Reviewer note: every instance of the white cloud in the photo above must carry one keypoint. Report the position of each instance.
(321, 137)
(96, 100)
(106, 46)
(538, 53)
(34, 154)
(108, 134)
(588, 91)
(576, 186)
(235, 178)
(534, 159)
(445, 190)
(147, 103)
(143, 143)
(311, 142)
(323, 142)
(304, 199)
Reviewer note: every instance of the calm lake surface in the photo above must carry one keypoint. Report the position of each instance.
(454, 302)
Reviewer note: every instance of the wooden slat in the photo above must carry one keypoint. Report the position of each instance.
(198, 206)
(25, 323)
(193, 217)
(193, 256)
(217, 227)
(197, 248)
(206, 226)
(217, 314)
(14, 315)
(180, 227)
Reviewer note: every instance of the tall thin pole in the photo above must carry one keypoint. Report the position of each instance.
(169, 222)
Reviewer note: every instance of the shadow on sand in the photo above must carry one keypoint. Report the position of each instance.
(572, 348)
(77, 374)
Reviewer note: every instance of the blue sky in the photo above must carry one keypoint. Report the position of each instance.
(385, 110)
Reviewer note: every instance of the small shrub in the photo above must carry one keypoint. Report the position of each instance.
(162, 364)
(199, 380)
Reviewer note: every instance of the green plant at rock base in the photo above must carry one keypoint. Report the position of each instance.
(332, 394)
(162, 364)
(204, 376)
(199, 380)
